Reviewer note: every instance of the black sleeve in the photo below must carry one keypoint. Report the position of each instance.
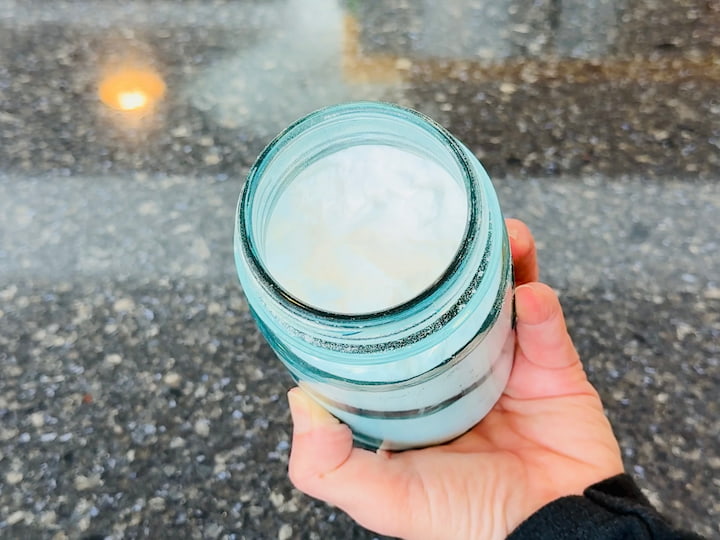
(612, 509)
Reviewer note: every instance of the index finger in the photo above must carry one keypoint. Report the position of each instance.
(524, 254)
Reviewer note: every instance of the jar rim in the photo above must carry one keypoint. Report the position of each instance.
(420, 120)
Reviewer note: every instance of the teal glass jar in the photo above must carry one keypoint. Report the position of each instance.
(415, 374)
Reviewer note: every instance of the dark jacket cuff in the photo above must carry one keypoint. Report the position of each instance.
(613, 508)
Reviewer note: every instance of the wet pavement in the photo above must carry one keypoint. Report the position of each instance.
(137, 397)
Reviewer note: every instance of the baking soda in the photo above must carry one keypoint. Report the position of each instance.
(365, 229)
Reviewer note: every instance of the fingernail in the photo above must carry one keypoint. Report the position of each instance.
(306, 414)
(527, 305)
(535, 304)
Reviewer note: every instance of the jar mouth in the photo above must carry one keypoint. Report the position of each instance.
(246, 213)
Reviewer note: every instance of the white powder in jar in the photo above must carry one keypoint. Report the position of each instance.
(365, 229)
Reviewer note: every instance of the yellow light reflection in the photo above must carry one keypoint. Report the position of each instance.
(131, 89)
(358, 68)
(129, 101)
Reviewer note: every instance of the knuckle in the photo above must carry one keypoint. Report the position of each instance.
(299, 478)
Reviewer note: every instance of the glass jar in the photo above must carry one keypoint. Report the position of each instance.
(414, 375)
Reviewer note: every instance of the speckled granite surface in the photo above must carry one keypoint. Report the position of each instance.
(137, 399)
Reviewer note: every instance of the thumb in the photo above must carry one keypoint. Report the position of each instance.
(371, 487)
(321, 444)
(546, 362)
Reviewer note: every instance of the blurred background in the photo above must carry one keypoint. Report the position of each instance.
(137, 399)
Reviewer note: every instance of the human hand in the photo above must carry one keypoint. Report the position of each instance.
(546, 437)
